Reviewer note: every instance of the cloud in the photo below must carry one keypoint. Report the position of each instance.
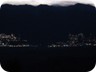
(47, 2)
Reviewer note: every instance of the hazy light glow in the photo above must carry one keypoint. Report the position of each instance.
(1, 69)
(94, 69)
(47, 2)
(94, 2)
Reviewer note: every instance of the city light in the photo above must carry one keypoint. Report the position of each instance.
(72, 40)
(10, 40)
(75, 40)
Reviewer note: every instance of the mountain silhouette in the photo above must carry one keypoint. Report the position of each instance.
(48, 22)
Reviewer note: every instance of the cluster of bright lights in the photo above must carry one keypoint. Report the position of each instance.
(75, 40)
(7, 40)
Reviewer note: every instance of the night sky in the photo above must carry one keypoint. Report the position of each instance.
(47, 22)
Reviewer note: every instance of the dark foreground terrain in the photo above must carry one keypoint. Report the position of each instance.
(48, 59)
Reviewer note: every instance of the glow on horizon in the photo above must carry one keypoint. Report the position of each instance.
(47, 2)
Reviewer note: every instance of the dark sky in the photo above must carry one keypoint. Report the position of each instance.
(47, 22)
